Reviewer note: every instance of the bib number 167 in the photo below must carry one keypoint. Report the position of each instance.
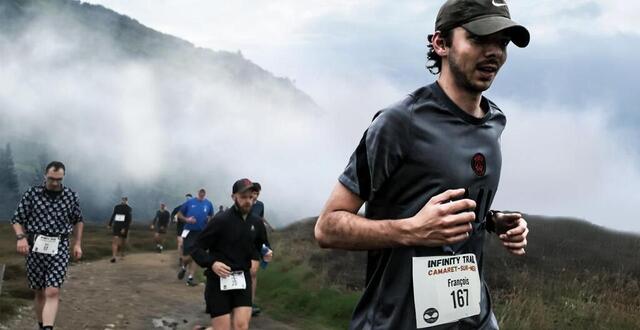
(460, 298)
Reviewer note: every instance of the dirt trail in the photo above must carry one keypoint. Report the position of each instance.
(140, 291)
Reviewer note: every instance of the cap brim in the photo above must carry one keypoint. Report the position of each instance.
(490, 25)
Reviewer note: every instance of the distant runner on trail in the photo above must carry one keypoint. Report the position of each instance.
(195, 213)
(160, 223)
(428, 169)
(225, 249)
(45, 218)
(258, 210)
(120, 222)
(179, 227)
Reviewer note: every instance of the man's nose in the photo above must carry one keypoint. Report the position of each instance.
(494, 49)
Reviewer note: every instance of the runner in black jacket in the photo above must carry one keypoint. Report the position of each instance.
(225, 248)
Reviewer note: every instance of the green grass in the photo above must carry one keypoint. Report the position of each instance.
(568, 302)
(575, 276)
(96, 244)
(294, 294)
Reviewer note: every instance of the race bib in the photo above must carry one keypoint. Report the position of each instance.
(46, 245)
(119, 217)
(445, 289)
(185, 233)
(235, 281)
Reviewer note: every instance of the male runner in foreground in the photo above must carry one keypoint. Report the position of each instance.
(46, 216)
(428, 168)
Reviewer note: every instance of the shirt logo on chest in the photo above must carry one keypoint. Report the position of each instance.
(479, 164)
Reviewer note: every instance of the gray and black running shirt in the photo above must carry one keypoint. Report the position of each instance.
(412, 151)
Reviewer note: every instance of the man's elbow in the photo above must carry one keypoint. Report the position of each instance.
(321, 235)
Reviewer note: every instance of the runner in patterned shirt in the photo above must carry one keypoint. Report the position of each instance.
(45, 218)
(120, 221)
(160, 223)
(409, 168)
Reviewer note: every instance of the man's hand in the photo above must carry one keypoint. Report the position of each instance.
(77, 252)
(152, 227)
(22, 246)
(441, 221)
(268, 256)
(221, 269)
(512, 230)
(191, 220)
(123, 231)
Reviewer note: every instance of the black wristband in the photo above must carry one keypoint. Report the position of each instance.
(20, 236)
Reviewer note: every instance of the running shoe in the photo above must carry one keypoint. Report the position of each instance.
(191, 282)
(181, 273)
(113, 260)
(255, 310)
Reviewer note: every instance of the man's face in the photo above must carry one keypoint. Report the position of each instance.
(243, 201)
(255, 195)
(201, 194)
(474, 61)
(162, 206)
(54, 179)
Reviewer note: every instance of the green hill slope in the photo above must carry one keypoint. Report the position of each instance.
(575, 276)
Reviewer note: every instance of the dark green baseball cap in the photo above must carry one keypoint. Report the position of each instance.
(481, 17)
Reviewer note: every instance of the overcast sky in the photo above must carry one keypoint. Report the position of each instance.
(571, 144)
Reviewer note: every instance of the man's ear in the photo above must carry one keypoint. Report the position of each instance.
(439, 44)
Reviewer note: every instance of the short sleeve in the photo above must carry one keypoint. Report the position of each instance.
(76, 212)
(380, 152)
(23, 210)
(184, 208)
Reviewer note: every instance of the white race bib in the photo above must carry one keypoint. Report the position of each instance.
(46, 245)
(185, 233)
(445, 289)
(119, 217)
(235, 281)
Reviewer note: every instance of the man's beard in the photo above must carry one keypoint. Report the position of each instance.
(243, 210)
(461, 79)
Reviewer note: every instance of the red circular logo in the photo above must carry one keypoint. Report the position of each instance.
(479, 164)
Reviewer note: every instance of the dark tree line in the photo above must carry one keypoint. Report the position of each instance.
(9, 187)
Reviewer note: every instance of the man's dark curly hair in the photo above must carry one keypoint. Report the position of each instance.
(434, 61)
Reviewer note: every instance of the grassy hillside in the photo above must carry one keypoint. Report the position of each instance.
(575, 276)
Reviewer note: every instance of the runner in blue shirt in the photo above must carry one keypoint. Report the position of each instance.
(195, 213)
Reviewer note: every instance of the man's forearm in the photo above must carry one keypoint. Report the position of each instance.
(77, 230)
(18, 229)
(181, 217)
(345, 230)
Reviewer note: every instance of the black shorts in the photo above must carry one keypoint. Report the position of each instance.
(189, 242)
(223, 302)
(179, 228)
(161, 229)
(117, 228)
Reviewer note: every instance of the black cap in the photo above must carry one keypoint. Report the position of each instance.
(481, 17)
(257, 186)
(243, 185)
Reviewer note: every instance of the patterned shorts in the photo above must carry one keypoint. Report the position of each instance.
(45, 271)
